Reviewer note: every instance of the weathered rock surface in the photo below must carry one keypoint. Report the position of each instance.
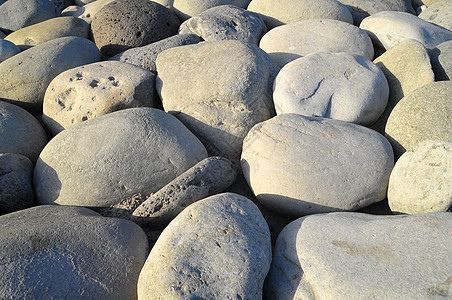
(186, 9)
(226, 22)
(41, 64)
(217, 248)
(104, 160)
(340, 86)
(20, 132)
(16, 14)
(298, 165)
(208, 177)
(422, 115)
(125, 24)
(277, 13)
(360, 256)
(219, 90)
(146, 56)
(407, 67)
(388, 28)
(441, 59)
(86, 12)
(7, 50)
(289, 42)
(439, 13)
(69, 253)
(420, 181)
(93, 90)
(49, 30)
(16, 190)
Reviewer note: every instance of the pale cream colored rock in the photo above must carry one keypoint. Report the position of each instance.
(388, 28)
(86, 12)
(406, 67)
(439, 13)
(49, 30)
(186, 9)
(288, 42)
(421, 179)
(298, 165)
(277, 13)
(93, 90)
(422, 115)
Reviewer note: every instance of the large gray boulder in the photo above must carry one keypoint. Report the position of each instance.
(25, 77)
(217, 248)
(104, 160)
(57, 252)
(298, 165)
(361, 256)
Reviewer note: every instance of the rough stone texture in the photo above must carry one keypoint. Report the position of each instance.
(388, 28)
(93, 90)
(146, 56)
(56, 252)
(406, 67)
(104, 160)
(185, 9)
(20, 132)
(439, 13)
(124, 24)
(422, 115)
(25, 77)
(299, 165)
(340, 86)
(7, 50)
(217, 248)
(361, 9)
(49, 30)
(226, 22)
(288, 42)
(420, 181)
(277, 13)
(86, 12)
(208, 177)
(16, 14)
(441, 59)
(360, 256)
(16, 191)
(219, 90)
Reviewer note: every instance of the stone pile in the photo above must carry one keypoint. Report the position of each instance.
(225, 149)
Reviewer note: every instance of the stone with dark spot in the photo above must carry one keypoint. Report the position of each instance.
(125, 24)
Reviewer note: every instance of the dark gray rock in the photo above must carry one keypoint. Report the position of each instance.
(58, 252)
(208, 177)
(16, 191)
(122, 24)
(441, 60)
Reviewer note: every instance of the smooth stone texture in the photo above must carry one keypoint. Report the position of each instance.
(441, 59)
(125, 24)
(208, 177)
(146, 56)
(104, 160)
(57, 252)
(439, 13)
(388, 28)
(361, 9)
(406, 67)
(219, 90)
(298, 165)
(186, 9)
(226, 22)
(217, 248)
(340, 86)
(16, 14)
(420, 181)
(25, 77)
(423, 2)
(277, 13)
(289, 42)
(361, 256)
(20, 132)
(86, 12)
(93, 90)
(424, 114)
(49, 30)
(7, 50)
(16, 190)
